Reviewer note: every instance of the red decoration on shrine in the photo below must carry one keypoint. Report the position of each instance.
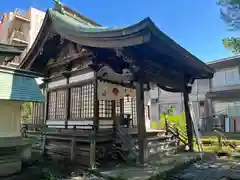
(115, 91)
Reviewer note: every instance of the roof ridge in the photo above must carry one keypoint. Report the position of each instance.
(81, 16)
(73, 14)
(224, 59)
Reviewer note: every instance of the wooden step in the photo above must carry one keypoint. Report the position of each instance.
(166, 143)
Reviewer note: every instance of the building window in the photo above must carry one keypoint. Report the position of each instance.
(105, 109)
(134, 109)
(231, 76)
(82, 102)
(57, 105)
(226, 77)
(118, 107)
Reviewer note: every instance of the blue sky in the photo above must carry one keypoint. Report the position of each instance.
(194, 24)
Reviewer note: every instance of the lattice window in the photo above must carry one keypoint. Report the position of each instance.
(76, 103)
(38, 113)
(61, 105)
(134, 109)
(82, 102)
(57, 105)
(105, 108)
(118, 107)
(52, 100)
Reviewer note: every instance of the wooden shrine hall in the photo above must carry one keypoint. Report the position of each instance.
(90, 69)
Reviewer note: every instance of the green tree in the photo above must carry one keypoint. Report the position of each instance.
(230, 14)
(26, 112)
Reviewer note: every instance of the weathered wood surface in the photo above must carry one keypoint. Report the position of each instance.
(80, 146)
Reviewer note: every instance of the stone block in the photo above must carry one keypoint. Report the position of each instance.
(10, 166)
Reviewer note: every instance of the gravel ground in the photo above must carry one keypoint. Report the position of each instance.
(215, 169)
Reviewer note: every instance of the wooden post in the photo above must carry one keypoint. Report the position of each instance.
(95, 126)
(114, 117)
(68, 103)
(166, 126)
(96, 106)
(93, 149)
(73, 149)
(141, 122)
(46, 99)
(178, 136)
(44, 144)
(188, 119)
(121, 107)
(219, 142)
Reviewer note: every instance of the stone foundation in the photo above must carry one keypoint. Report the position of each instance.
(10, 166)
(13, 151)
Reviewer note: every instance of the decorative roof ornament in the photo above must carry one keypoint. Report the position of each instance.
(127, 75)
(58, 6)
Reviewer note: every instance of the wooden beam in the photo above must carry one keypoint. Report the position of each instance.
(74, 57)
(46, 101)
(164, 70)
(155, 60)
(158, 79)
(169, 89)
(189, 125)
(177, 57)
(141, 122)
(72, 85)
(169, 79)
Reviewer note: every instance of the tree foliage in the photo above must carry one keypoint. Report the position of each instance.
(26, 112)
(230, 14)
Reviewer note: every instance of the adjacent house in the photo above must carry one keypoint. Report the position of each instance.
(17, 86)
(209, 98)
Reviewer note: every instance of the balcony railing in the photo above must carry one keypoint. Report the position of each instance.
(18, 37)
(22, 15)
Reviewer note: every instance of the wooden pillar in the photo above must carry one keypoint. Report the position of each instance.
(95, 126)
(189, 125)
(73, 149)
(141, 122)
(46, 100)
(68, 103)
(114, 117)
(121, 107)
(96, 105)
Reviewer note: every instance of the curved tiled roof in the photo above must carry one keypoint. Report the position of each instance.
(144, 34)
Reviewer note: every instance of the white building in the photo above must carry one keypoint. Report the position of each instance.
(21, 28)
